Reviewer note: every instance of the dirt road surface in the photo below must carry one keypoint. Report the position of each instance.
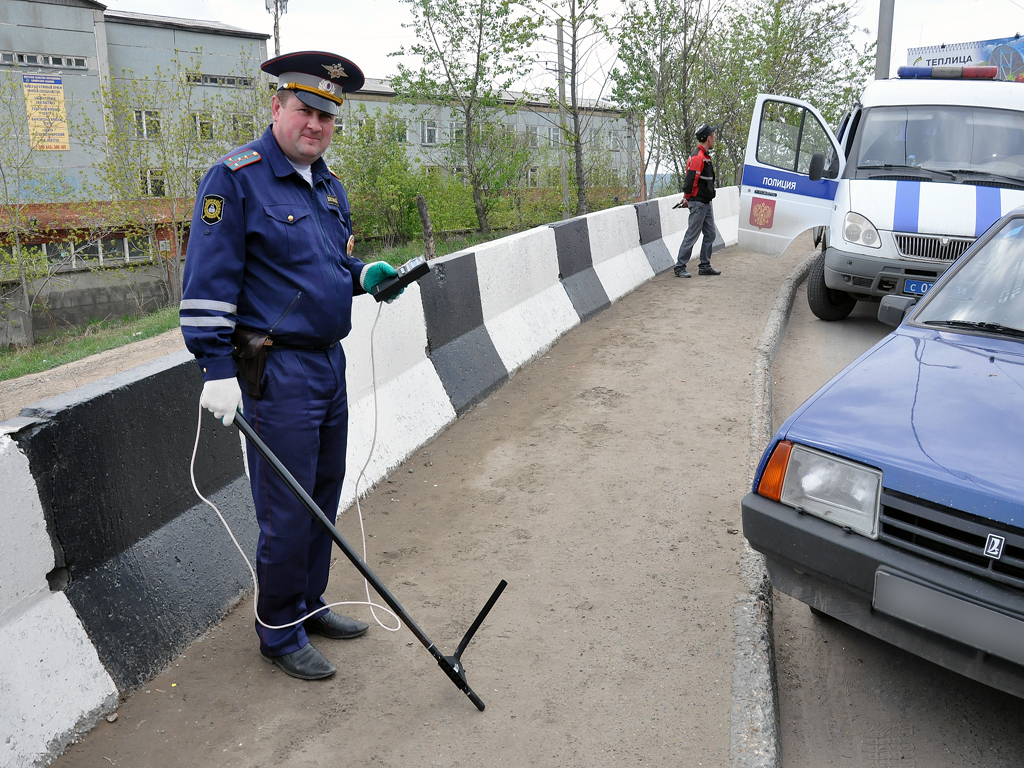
(847, 699)
(603, 482)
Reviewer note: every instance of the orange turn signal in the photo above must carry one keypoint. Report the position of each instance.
(775, 473)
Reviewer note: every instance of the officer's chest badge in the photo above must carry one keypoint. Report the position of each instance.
(332, 200)
(213, 208)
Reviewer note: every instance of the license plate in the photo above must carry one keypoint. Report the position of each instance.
(917, 287)
(970, 623)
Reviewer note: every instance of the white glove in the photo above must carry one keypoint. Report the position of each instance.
(221, 397)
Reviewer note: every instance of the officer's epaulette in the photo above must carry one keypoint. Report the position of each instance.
(242, 159)
(333, 173)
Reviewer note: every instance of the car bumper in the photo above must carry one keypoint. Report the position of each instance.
(875, 276)
(836, 573)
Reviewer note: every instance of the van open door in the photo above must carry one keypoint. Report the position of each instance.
(789, 174)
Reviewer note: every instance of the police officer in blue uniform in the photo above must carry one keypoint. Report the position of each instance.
(267, 297)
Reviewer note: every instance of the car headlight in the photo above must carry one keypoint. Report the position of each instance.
(859, 231)
(843, 492)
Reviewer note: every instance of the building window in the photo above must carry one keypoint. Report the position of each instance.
(428, 132)
(458, 132)
(244, 128)
(152, 182)
(229, 81)
(533, 177)
(554, 136)
(139, 249)
(202, 126)
(534, 132)
(43, 60)
(147, 123)
(401, 131)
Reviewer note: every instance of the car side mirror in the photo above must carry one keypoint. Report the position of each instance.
(894, 309)
(817, 168)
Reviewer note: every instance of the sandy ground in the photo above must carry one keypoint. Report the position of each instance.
(603, 482)
(847, 699)
(15, 394)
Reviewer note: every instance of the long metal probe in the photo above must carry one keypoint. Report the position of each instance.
(452, 666)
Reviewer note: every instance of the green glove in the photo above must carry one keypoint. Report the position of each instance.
(374, 274)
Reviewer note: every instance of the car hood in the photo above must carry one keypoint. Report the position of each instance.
(937, 208)
(941, 414)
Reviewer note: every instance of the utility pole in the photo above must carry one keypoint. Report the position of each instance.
(883, 49)
(277, 8)
(562, 159)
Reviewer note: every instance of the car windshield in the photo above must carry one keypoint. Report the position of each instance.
(974, 141)
(987, 292)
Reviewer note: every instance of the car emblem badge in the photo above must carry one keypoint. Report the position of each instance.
(994, 546)
(944, 241)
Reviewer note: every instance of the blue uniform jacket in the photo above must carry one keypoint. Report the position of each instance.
(266, 251)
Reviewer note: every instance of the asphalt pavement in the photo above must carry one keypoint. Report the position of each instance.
(846, 698)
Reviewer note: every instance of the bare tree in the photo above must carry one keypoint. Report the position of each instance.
(585, 30)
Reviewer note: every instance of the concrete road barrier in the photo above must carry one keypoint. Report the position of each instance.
(113, 566)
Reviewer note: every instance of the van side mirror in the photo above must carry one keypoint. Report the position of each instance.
(817, 168)
(893, 309)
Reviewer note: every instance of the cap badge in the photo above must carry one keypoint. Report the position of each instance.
(335, 70)
(326, 85)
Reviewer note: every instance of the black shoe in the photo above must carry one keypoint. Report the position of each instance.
(307, 663)
(708, 270)
(682, 272)
(334, 626)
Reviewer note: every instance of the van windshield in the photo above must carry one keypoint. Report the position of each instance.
(942, 143)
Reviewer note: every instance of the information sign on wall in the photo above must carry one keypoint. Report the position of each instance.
(47, 116)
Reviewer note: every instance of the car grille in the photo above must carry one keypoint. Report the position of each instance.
(931, 247)
(951, 537)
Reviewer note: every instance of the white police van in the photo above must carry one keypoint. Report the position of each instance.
(919, 169)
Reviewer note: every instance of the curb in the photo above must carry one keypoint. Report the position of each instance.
(754, 731)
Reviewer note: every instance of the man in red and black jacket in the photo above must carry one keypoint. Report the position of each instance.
(699, 186)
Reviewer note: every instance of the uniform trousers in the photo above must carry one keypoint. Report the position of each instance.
(303, 418)
(702, 220)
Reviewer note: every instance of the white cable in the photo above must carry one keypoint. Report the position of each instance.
(256, 588)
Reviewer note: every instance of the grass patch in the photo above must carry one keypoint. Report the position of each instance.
(98, 336)
(75, 343)
(399, 254)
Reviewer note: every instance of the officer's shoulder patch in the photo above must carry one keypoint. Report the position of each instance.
(242, 159)
(213, 209)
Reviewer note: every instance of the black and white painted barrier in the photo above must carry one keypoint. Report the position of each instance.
(112, 568)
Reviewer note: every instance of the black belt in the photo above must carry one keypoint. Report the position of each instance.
(273, 344)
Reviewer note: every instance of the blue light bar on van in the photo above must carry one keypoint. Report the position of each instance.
(948, 73)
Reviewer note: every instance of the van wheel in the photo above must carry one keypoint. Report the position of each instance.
(825, 303)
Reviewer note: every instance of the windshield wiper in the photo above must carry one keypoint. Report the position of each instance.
(890, 166)
(1002, 176)
(978, 325)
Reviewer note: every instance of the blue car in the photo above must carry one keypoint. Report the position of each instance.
(893, 499)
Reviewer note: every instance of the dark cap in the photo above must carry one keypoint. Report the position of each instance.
(318, 79)
(706, 130)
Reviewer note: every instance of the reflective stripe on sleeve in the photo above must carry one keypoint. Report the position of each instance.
(208, 322)
(215, 306)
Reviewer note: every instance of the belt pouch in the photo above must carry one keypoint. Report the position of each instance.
(250, 353)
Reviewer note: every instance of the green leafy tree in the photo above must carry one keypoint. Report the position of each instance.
(798, 48)
(26, 179)
(471, 51)
(370, 158)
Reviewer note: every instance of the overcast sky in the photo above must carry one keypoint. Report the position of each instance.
(368, 30)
